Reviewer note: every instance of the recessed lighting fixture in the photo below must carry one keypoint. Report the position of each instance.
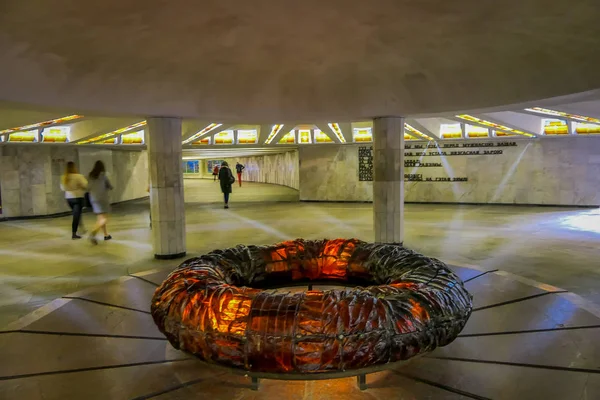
(322, 137)
(288, 138)
(224, 137)
(489, 124)
(337, 131)
(554, 127)
(27, 136)
(205, 130)
(476, 132)
(274, 131)
(583, 128)
(247, 136)
(41, 124)
(56, 134)
(133, 138)
(113, 133)
(362, 135)
(555, 113)
(415, 131)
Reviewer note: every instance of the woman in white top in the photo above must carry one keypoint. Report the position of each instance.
(74, 185)
(99, 187)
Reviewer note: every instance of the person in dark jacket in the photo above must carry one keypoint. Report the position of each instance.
(226, 179)
(239, 168)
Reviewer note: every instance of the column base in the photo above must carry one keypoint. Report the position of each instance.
(169, 256)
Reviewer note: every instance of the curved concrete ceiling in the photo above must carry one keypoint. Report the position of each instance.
(308, 60)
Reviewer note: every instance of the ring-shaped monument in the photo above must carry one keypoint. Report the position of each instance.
(385, 304)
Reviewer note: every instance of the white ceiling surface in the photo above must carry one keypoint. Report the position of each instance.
(587, 108)
(12, 116)
(313, 60)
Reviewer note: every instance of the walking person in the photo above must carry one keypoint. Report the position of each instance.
(226, 179)
(99, 187)
(216, 172)
(239, 168)
(74, 185)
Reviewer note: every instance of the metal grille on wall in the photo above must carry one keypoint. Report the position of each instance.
(365, 163)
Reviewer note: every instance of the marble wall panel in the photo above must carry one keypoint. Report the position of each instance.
(548, 171)
(279, 169)
(30, 176)
(130, 175)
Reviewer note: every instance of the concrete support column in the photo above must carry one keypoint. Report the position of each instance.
(166, 187)
(388, 179)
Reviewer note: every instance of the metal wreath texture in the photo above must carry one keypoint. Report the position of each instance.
(401, 304)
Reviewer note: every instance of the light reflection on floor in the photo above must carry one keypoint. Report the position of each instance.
(39, 262)
(588, 222)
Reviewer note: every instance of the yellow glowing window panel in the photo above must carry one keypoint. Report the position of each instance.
(29, 136)
(555, 127)
(582, 128)
(408, 137)
(555, 113)
(288, 138)
(205, 130)
(415, 131)
(476, 131)
(57, 134)
(504, 134)
(113, 133)
(337, 131)
(112, 140)
(42, 124)
(321, 137)
(493, 125)
(450, 131)
(225, 137)
(362, 135)
(304, 136)
(274, 131)
(247, 136)
(204, 141)
(133, 138)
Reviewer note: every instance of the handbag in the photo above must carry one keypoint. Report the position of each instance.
(231, 178)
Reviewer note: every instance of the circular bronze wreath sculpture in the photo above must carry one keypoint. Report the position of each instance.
(217, 306)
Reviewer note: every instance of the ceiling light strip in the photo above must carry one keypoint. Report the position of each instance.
(337, 131)
(41, 124)
(204, 131)
(113, 133)
(489, 124)
(274, 131)
(416, 132)
(540, 110)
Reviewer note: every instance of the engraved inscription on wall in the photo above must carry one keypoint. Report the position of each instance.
(435, 169)
(365, 163)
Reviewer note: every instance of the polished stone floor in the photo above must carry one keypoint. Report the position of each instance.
(523, 341)
(93, 337)
(39, 262)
